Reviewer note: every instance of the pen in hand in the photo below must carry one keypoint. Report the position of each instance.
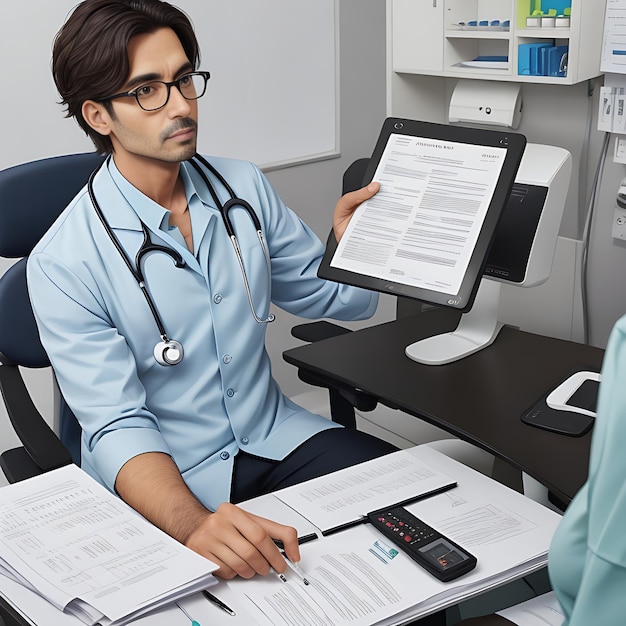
(279, 575)
(217, 602)
(298, 570)
(295, 568)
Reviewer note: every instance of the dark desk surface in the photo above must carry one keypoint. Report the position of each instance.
(479, 398)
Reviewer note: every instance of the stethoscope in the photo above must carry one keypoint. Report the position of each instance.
(169, 351)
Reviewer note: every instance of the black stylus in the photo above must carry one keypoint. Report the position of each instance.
(215, 600)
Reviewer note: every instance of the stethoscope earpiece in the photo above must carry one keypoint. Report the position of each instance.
(169, 352)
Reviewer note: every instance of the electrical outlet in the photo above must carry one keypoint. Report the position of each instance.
(619, 224)
(620, 149)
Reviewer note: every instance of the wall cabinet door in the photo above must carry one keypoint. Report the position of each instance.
(418, 35)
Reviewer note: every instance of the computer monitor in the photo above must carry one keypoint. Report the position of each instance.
(517, 248)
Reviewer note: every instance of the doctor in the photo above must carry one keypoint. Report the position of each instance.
(155, 326)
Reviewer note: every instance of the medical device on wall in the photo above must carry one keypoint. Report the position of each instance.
(445, 186)
(170, 351)
(485, 102)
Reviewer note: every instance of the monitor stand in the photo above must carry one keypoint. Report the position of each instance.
(477, 329)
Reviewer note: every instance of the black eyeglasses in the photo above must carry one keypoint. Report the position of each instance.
(156, 94)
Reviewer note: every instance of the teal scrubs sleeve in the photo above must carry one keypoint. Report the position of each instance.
(587, 561)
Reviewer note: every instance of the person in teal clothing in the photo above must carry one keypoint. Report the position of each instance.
(587, 560)
(183, 428)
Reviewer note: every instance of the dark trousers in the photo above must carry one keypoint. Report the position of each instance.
(323, 453)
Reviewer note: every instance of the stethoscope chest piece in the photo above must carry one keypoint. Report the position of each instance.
(169, 352)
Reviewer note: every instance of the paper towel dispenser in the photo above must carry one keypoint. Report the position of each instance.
(486, 102)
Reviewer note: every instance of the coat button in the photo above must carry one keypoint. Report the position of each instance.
(217, 298)
(227, 358)
(230, 393)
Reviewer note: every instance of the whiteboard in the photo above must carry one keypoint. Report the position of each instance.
(272, 97)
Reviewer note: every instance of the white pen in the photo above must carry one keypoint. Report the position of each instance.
(298, 570)
(295, 567)
(281, 576)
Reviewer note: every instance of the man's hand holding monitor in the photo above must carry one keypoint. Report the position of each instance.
(427, 233)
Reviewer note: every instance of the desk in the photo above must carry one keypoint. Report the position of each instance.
(355, 577)
(479, 399)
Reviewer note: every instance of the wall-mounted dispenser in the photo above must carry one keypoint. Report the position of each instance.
(486, 102)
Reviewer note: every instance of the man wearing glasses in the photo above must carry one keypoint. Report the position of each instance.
(181, 443)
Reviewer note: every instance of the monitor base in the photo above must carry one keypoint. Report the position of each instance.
(477, 329)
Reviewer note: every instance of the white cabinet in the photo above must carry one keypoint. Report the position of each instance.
(488, 39)
(418, 46)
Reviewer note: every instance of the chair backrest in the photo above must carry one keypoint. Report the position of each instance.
(32, 196)
(353, 176)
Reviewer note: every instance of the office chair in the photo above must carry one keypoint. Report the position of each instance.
(343, 399)
(32, 195)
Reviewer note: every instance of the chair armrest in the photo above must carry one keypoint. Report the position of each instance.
(316, 331)
(343, 398)
(357, 398)
(39, 440)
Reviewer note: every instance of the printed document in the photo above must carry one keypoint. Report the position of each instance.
(67, 538)
(543, 610)
(613, 58)
(421, 228)
(346, 496)
(355, 576)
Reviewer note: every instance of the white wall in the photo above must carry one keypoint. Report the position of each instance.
(557, 115)
(279, 55)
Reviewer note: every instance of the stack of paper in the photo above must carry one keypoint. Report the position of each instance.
(342, 499)
(357, 577)
(66, 538)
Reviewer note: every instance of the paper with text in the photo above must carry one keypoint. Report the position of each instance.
(84, 550)
(421, 228)
(544, 610)
(347, 495)
(613, 59)
(348, 585)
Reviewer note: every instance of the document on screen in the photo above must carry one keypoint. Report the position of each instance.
(421, 228)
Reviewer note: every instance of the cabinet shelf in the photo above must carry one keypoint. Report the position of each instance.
(425, 41)
(478, 34)
(544, 33)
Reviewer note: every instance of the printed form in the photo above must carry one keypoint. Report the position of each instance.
(614, 42)
(356, 577)
(346, 496)
(421, 228)
(65, 537)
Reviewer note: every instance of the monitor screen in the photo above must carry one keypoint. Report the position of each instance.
(427, 232)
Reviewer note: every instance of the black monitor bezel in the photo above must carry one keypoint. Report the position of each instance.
(463, 300)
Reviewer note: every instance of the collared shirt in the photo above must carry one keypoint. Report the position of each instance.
(99, 333)
(587, 561)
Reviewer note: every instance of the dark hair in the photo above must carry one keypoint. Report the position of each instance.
(90, 53)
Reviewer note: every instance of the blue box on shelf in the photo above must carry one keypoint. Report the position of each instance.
(528, 57)
(554, 61)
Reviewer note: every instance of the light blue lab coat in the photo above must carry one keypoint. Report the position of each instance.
(587, 561)
(100, 334)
